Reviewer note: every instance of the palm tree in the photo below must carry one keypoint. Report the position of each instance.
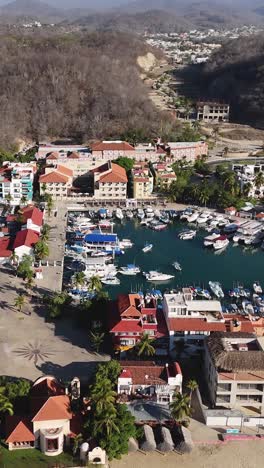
(50, 204)
(95, 283)
(180, 407)
(96, 340)
(246, 188)
(259, 180)
(103, 395)
(145, 347)
(29, 283)
(108, 424)
(20, 302)
(45, 231)
(192, 385)
(20, 217)
(230, 181)
(79, 278)
(5, 405)
(23, 200)
(204, 195)
(14, 258)
(41, 250)
(76, 443)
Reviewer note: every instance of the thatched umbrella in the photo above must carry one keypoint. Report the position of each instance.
(149, 443)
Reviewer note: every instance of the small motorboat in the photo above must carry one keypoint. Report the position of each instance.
(148, 247)
(204, 293)
(159, 227)
(129, 270)
(209, 240)
(177, 266)
(110, 281)
(257, 287)
(125, 244)
(187, 235)
(119, 214)
(129, 214)
(220, 243)
(216, 289)
(157, 276)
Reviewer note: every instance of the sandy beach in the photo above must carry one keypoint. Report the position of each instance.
(246, 454)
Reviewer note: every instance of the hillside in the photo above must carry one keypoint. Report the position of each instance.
(84, 86)
(236, 74)
(30, 9)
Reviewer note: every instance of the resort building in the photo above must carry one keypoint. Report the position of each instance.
(79, 162)
(16, 182)
(190, 151)
(49, 423)
(247, 175)
(145, 378)
(32, 218)
(61, 151)
(164, 175)
(109, 150)
(191, 320)
(56, 182)
(24, 242)
(131, 317)
(110, 182)
(213, 111)
(143, 181)
(234, 371)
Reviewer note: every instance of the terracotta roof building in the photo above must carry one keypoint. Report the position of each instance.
(50, 422)
(150, 380)
(32, 218)
(24, 242)
(112, 149)
(110, 181)
(56, 181)
(131, 316)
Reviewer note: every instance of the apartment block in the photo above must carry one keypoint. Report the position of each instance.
(110, 182)
(16, 182)
(56, 182)
(164, 175)
(189, 151)
(143, 181)
(213, 111)
(234, 371)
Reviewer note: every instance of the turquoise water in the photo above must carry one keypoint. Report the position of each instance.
(199, 264)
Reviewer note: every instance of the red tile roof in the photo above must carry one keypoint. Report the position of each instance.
(48, 386)
(126, 305)
(73, 155)
(33, 213)
(141, 179)
(26, 237)
(64, 170)
(53, 177)
(127, 326)
(112, 146)
(19, 430)
(195, 324)
(53, 155)
(144, 372)
(117, 174)
(55, 408)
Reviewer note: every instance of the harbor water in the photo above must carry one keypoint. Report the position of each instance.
(235, 264)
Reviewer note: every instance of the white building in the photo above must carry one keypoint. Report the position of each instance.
(148, 379)
(110, 182)
(16, 182)
(191, 320)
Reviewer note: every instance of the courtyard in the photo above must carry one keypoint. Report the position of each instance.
(30, 346)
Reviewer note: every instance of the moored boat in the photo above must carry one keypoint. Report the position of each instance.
(216, 288)
(220, 243)
(257, 287)
(157, 276)
(177, 266)
(129, 270)
(186, 235)
(147, 248)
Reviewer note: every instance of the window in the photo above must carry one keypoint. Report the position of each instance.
(223, 387)
(52, 445)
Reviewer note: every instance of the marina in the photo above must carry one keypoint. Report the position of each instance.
(143, 257)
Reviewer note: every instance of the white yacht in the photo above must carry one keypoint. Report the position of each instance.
(147, 248)
(110, 281)
(220, 243)
(203, 218)
(209, 240)
(177, 266)
(140, 213)
(216, 289)
(129, 214)
(149, 212)
(125, 244)
(257, 287)
(157, 276)
(129, 270)
(193, 217)
(119, 214)
(186, 235)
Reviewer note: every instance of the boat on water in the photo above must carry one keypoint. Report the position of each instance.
(129, 270)
(187, 235)
(129, 214)
(204, 293)
(257, 287)
(159, 227)
(110, 281)
(231, 228)
(99, 253)
(177, 266)
(102, 212)
(203, 218)
(220, 243)
(125, 244)
(248, 307)
(216, 288)
(157, 213)
(140, 213)
(148, 247)
(185, 214)
(144, 222)
(149, 212)
(209, 240)
(157, 276)
(193, 217)
(119, 214)
(105, 224)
